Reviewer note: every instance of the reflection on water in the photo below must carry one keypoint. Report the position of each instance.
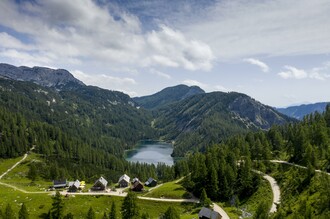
(151, 152)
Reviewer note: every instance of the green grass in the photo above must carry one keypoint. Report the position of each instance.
(17, 176)
(78, 205)
(232, 212)
(5, 164)
(171, 190)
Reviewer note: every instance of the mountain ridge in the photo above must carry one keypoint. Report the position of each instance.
(43, 76)
(186, 115)
(210, 118)
(168, 95)
(302, 110)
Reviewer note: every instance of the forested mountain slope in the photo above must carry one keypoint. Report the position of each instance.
(79, 129)
(167, 96)
(299, 112)
(204, 119)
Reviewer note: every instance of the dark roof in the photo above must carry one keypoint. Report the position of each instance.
(208, 213)
(137, 185)
(59, 183)
(150, 180)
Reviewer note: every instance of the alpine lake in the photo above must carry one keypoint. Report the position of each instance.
(151, 152)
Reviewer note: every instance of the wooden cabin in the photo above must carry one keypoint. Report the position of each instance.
(151, 182)
(124, 181)
(100, 184)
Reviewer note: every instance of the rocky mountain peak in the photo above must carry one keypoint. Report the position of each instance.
(43, 76)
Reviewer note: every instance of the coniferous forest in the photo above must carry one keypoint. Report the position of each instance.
(82, 132)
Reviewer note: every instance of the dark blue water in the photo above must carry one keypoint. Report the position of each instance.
(152, 153)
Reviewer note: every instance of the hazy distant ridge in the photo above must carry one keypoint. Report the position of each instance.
(300, 111)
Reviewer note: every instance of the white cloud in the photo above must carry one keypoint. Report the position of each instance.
(263, 66)
(191, 82)
(85, 31)
(319, 73)
(173, 49)
(221, 88)
(25, 58)
(293, 72)
(10, 42)
(105, 81)
(160, 74)
(238, 29)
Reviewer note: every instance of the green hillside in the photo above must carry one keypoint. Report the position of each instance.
(205, 119)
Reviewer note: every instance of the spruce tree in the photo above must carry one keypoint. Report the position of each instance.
(91, 214)
(171, 213)
(9, 214)
(129, 208)
(105, 216)
(145, 215)
(68, 216)
(113, 211)
(32, 174)
(23, 213)
(57, 206)
(262, 211)
(204, 200)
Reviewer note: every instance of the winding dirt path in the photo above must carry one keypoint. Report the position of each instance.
(296, 165)
(15, 165)
(222, 212)
(111, 193)
(275, 189)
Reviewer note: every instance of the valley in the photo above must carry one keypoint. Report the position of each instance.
(232, 149)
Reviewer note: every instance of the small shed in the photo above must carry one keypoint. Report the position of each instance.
(151, 182)
(74, 186)
(58, 184)
(206, 213)
(137, 186)
(100, 184)
(124, 181)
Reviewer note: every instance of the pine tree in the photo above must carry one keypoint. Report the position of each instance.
(9, 214)
(57, 206)
(145, 215)
(262, 211)
(204, 200)
(113, 211)
(91, 214)
(129, 208)
(68, 216)
(23, 213)
(213, 188)
(32, 174)
(171, 213)
(105, 216)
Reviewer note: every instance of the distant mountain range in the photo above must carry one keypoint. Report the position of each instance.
(186, 115)
(300, 111)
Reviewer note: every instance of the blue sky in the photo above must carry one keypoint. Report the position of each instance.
(276, 51)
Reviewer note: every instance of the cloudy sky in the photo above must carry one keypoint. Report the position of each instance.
(277, 51)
